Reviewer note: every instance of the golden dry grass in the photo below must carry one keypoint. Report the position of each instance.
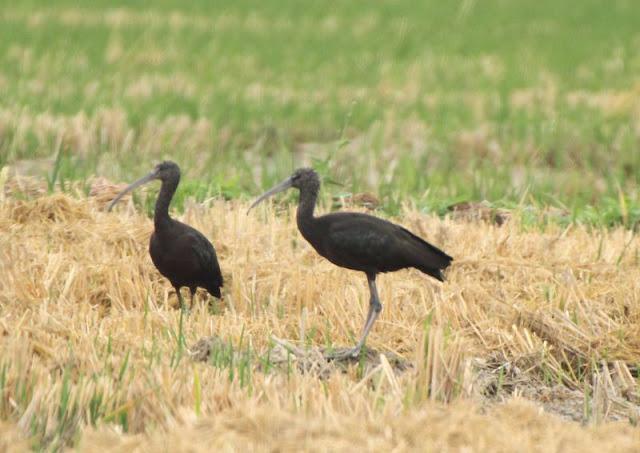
(546, 322)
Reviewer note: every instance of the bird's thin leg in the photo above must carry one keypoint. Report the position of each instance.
(375, 307)
(181, 341)
(368, 323)
(180, 299)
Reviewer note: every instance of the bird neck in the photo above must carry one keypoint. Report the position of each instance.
(161, 217)
(306, 205)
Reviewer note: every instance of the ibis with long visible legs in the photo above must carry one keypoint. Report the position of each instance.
(360, 242)
(180, 253)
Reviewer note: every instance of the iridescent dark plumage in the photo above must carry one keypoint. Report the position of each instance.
(181, 253)
(360, 242)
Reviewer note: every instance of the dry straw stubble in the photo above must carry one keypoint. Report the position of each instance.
(86, 320)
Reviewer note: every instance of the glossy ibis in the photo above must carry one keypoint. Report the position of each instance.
(181, 253)
(360, 242)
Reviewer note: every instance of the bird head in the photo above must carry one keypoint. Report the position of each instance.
(304, 179)
(164, 171)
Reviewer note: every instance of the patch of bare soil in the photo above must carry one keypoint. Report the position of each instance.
(495, 378)
(320, 362)
(608, 398)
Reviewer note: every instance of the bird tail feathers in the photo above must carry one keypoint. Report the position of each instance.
(431, 260)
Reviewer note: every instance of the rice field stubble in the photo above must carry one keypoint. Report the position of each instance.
(532, 107)
(531, 330)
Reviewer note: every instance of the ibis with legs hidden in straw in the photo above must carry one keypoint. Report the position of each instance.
(360, 242)
(181, 253)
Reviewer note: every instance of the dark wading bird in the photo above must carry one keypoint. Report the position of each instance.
(181, 253)
(360, 242)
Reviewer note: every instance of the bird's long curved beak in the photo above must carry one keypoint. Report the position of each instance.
(284, 185)
(145, 179)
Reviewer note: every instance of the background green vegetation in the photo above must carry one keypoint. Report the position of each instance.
(524, 104)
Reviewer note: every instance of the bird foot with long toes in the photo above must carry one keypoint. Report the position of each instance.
(344, 354)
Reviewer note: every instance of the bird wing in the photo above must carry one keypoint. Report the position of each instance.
(359, 244)
(206, 254)
(372, 244)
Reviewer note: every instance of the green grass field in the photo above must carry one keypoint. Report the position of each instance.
(513, 102)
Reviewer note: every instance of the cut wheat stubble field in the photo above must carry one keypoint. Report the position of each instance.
(532, 343)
